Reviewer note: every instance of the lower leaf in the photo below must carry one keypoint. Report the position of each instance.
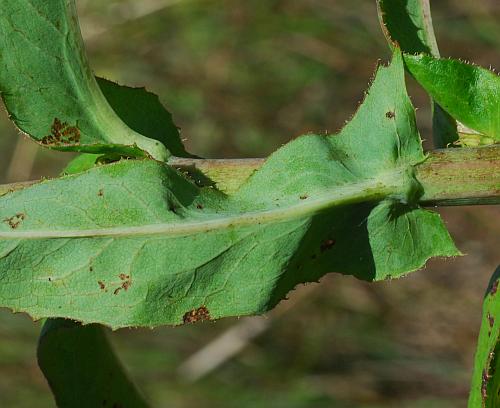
(82, 369)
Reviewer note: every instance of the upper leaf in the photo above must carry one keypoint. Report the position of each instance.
(471, 94)
(409, 24)
(49, 89)
(134, 243)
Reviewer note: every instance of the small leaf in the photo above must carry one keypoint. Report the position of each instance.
(409, 23)
(469, 93)
(485, 388)
(49, 89)
(135, 243)
(82, 369)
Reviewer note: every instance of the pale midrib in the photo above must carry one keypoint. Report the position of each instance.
(98, 110)
(387, 184)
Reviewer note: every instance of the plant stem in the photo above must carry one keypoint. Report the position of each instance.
(461, 176)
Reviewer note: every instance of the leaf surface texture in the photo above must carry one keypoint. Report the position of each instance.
(135, 243)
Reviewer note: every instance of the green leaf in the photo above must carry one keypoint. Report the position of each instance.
(134, 243)
(82, 369)
(409, 23)
(485, 388)
(49, 89)
(469, 93)
(81, 163)
(143, 112)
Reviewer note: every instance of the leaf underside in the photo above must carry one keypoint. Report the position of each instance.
(143, 112)
(485, 388)
(135, 243)
(58, 102)
(409, 24)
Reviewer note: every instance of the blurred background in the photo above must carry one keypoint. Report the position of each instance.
(241, 78)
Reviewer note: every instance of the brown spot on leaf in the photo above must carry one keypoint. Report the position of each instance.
(91, 268)
(61, 133)
(100, 193)
(197, 315)
(491, 320)
(126, 281)
(199, 206)
(327, 244)
(390, 115)
(304, 197)
(101, 285)
(15, 220)
(484, 384)
(494, 288)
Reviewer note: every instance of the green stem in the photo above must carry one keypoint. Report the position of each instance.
(462, 176)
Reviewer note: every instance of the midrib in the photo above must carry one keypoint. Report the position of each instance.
(386, 184)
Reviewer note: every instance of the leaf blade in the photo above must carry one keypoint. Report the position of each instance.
(486, 375)
(58, 103)
(143, 112)
(82, 369)
(173, 252)
(409, 24)
(471, 94)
